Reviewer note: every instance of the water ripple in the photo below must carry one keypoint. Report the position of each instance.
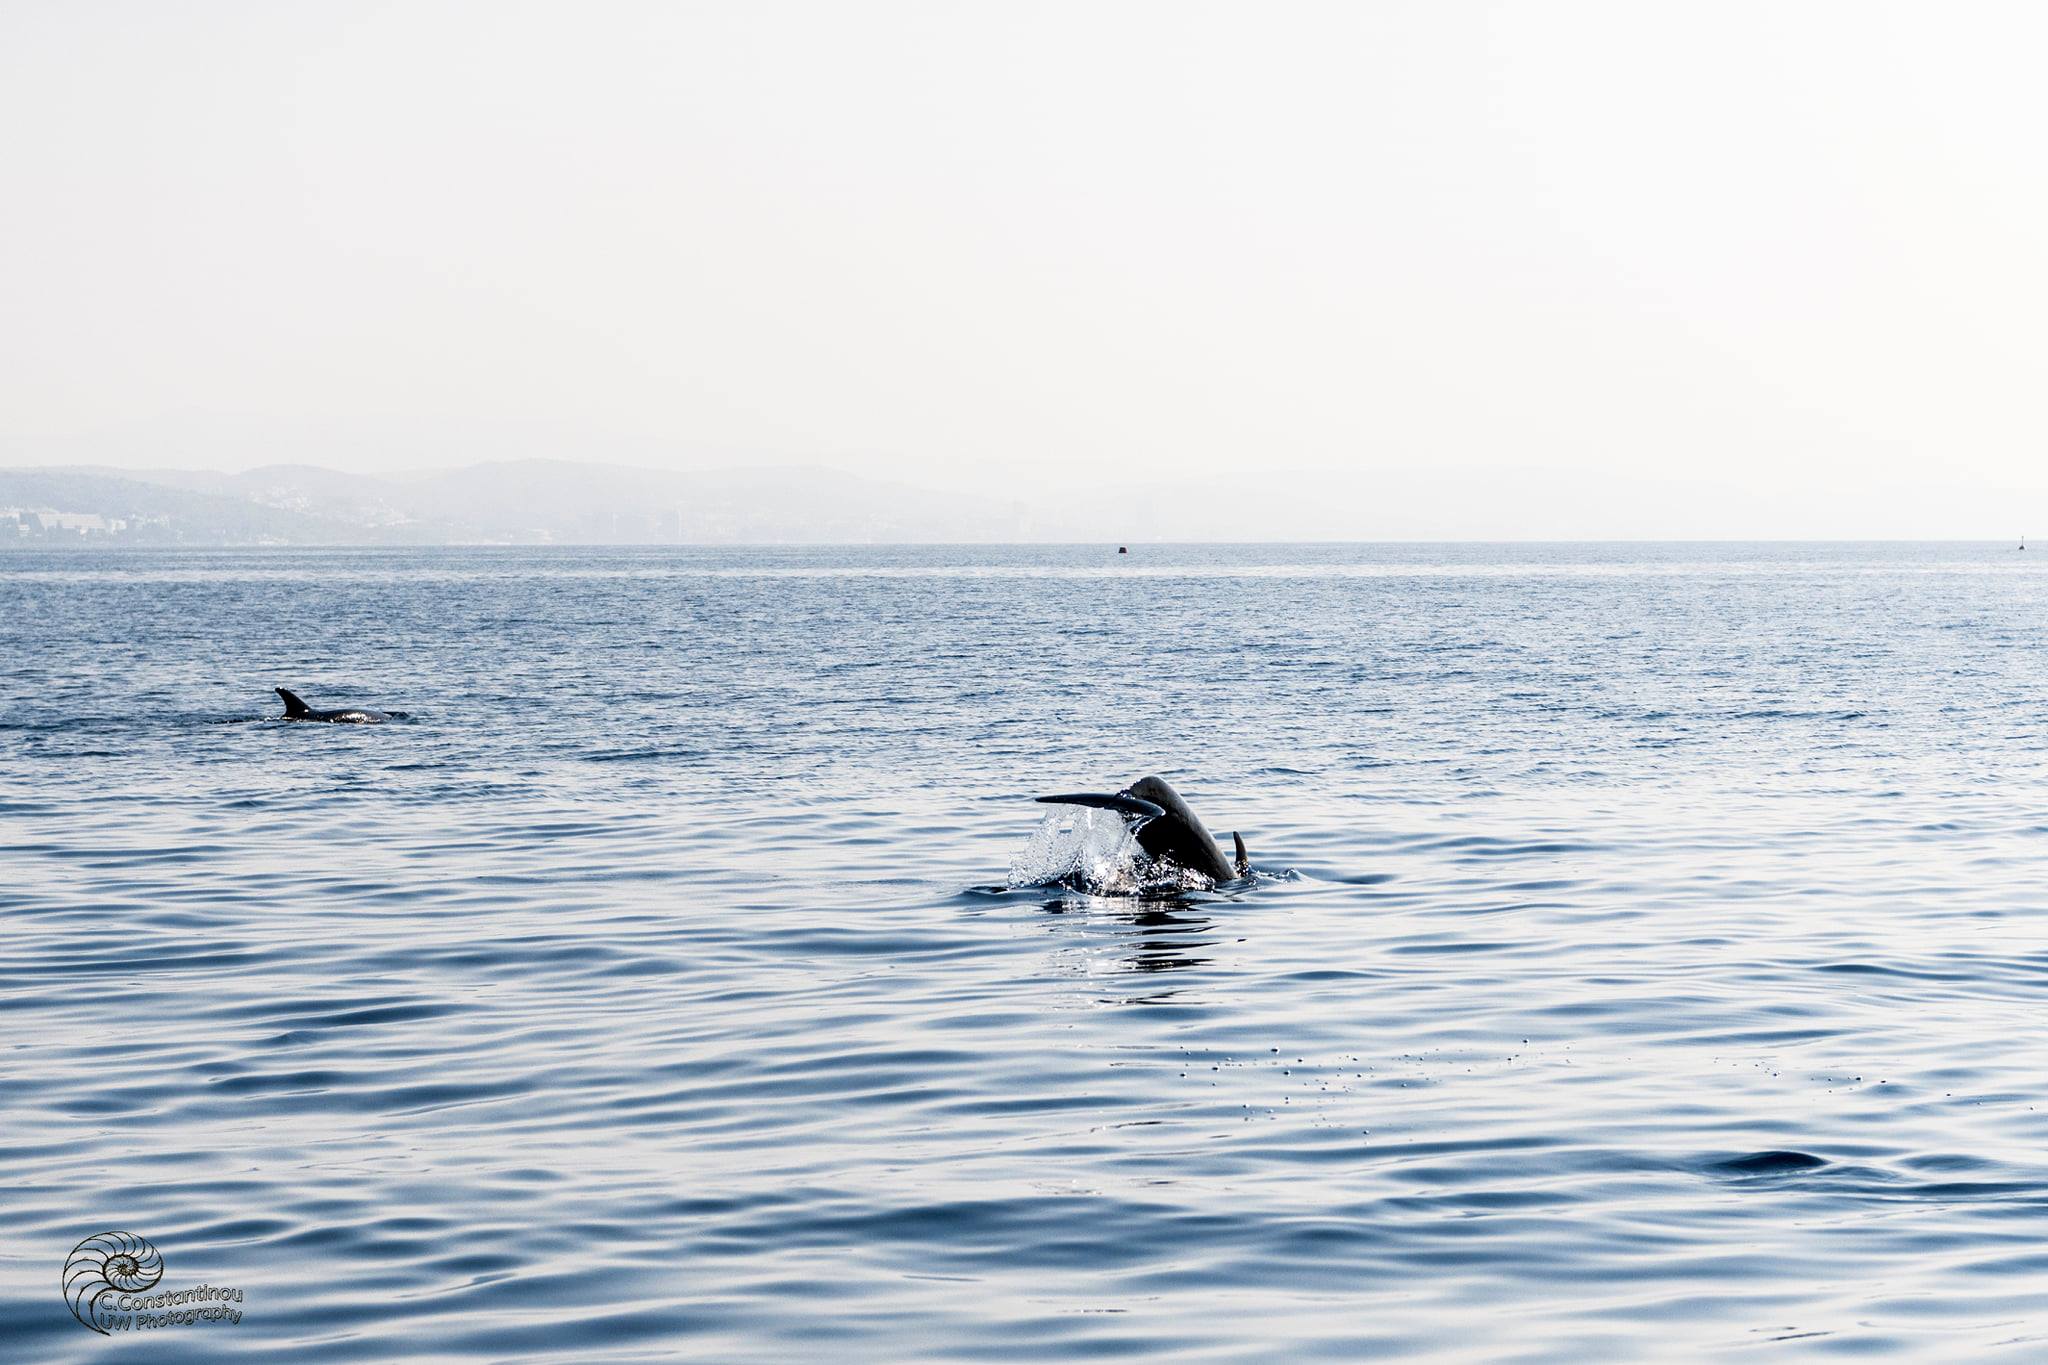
(1645, 960)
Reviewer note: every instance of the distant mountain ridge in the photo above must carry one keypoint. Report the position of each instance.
(517, 502)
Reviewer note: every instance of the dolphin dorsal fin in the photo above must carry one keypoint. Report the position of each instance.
(1244, 862)
(293, 707)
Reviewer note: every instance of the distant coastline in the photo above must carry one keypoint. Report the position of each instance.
(526, 502)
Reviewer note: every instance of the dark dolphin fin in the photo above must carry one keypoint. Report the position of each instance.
(1244, 862)
(294, 709)
(1128, 805)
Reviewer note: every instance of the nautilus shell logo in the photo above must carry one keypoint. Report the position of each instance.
(108, 1264)
(111, 1285)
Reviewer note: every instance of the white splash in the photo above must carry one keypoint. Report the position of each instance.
(1081, 847)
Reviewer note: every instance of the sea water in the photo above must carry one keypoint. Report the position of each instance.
(1646, 954)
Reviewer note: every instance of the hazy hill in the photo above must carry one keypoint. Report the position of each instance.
(153, 513)
(510, 502)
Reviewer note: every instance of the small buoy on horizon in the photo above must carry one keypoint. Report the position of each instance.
(1124, 550)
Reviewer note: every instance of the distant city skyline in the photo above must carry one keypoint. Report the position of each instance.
(1310, 271)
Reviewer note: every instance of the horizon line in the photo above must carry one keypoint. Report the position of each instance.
(70, 546)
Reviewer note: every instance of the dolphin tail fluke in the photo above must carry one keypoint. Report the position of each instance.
(1244, 862)
(1127, 805)
(293, 707)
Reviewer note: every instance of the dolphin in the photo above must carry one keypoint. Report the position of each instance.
(295, 709)
(1164, 827)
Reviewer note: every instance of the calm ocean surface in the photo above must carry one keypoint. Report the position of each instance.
(1649, 956)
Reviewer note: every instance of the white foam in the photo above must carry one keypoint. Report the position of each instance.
(1082, 847)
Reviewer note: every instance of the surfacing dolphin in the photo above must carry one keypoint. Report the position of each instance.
(294, 709)
(1164, 827)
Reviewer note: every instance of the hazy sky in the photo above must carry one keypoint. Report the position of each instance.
(1656, 269)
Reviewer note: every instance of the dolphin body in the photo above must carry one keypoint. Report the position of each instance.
(295, 709)
(1164, 827)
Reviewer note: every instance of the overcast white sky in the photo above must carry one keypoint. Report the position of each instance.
(1627, 269)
